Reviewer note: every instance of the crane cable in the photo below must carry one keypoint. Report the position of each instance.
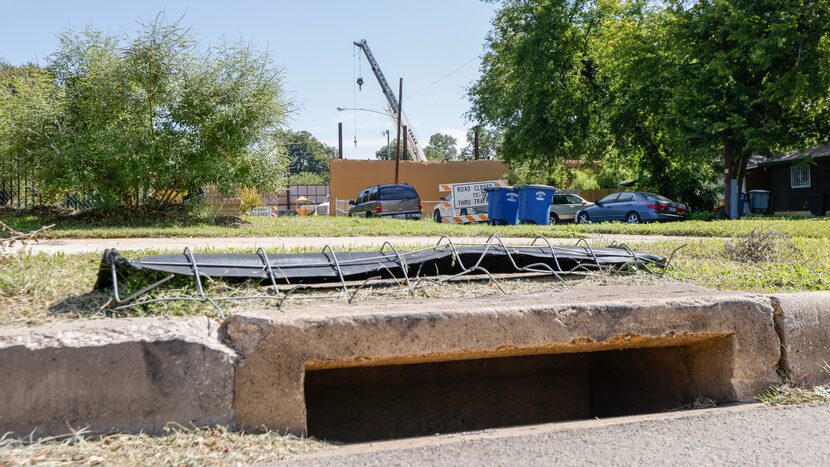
(354, 92)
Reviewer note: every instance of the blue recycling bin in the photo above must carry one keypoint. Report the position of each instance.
(502, 205)
(534, 203)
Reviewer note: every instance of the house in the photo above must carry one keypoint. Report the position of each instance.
(799, 182)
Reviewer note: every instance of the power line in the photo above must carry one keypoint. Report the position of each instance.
(443, 78)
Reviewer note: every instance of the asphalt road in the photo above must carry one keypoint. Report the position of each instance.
(89, 245)
(742, 435)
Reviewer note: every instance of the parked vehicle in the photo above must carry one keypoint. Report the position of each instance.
(565, 207)
(632, 207)
(399, 201)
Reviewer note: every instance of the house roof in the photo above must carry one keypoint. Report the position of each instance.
(818, 152)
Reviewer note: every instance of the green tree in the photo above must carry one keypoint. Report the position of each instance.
(387, 153)
(307, 178)
(441, 147)
(145, 119)
(307, 155)
(639, 63)
(756, 75)
(488, 144)
(539, 83)
(31, 108)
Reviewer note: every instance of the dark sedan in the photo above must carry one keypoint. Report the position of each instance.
(632, 207)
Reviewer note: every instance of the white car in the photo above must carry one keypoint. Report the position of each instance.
(445, 209)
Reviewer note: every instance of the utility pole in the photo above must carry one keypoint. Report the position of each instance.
(340, 140)
(404, 141)
(388, 143)
(398, 143)
(475, 142)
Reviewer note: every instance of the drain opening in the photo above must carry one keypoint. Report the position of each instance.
(396, 401)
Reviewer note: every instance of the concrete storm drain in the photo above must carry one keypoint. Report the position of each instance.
(376, 369)
(372, 371)
(395, 401)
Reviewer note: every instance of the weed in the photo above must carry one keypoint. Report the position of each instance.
(761, 246)
(789, 395)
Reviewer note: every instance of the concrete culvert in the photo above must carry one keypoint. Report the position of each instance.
(394, 401)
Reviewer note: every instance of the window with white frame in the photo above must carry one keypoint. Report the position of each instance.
(800, 176)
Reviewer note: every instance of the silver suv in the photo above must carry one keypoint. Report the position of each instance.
(394, 200)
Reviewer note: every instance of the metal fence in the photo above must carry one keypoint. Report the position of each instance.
(21, 189)
(17, 184)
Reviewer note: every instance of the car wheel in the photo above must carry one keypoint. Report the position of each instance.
(632, 218)
(554, 219)
(436, 216)
(368, 214)
(583, 218)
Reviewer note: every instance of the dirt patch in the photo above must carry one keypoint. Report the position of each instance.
(233, 222)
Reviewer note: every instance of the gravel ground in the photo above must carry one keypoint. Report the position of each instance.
(742, 435)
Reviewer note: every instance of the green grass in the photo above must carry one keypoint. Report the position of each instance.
(343, 226)
(707, 263)
(41, 288)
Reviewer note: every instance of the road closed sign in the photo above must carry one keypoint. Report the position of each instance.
(471, 195)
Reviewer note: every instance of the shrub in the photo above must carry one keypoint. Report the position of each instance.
(250, 198)
(140, 120)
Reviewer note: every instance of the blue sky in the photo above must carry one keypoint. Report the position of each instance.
(421, 41)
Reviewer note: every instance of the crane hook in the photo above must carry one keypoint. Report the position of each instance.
(360, 84)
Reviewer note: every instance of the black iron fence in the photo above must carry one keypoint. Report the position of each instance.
(20, 189)
(17, 184)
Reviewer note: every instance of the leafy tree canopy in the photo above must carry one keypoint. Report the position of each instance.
(387, 153)
(139, 120)
(306, 154)
(677, 90)
(441, 147)
(489, 142)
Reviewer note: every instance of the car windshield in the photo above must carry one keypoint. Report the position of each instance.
(609, 198)
(653, 197)
(397, 192)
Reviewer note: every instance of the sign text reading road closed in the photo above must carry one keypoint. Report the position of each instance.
(469, 195)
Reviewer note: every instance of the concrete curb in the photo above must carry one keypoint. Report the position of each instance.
(139, 374)
(132, 375)
(802, 322)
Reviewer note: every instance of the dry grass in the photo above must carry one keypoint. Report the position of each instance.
(791, 395)
(761, 246)
(41, 288)
(178, 446)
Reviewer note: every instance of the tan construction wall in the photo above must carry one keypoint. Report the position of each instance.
(350, 177)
